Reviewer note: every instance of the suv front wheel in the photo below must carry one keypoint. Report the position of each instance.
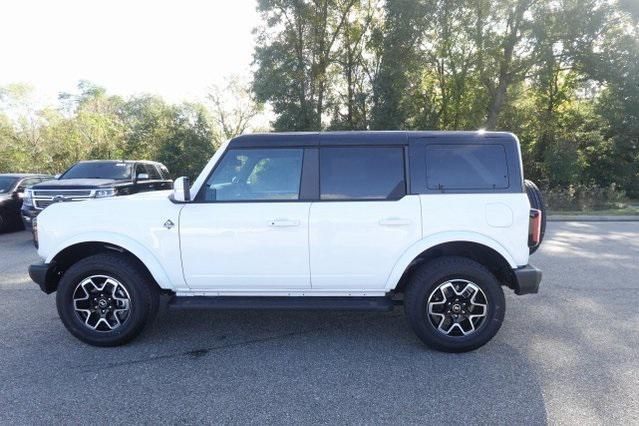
(106, 299)
(454, 304)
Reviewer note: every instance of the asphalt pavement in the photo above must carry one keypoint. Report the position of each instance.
(569, 354)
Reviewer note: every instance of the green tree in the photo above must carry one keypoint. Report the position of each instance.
(294, 52)
(188, 145)
(233, 109)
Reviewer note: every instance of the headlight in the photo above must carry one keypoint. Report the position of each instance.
(28, 198)
(101, 193)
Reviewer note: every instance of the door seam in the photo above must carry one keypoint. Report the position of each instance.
(308, 244)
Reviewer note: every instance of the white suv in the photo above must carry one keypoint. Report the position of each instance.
(437, 221)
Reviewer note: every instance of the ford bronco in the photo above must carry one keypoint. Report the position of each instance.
(439, 222)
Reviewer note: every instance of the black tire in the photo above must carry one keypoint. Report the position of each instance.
(536, 202)
(142, 292)
(4, 224)
(428, 278)
(20, 224)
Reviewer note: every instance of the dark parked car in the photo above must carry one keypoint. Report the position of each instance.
(95, 179)
(12, 187)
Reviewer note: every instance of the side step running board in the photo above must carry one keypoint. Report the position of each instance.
(282, 303)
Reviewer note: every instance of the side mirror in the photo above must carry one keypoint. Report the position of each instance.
(182, 190)
(57, 176)
(143, 176)
(18, 193)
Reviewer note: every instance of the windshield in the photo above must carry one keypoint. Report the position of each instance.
(106, 170)
(6, 183)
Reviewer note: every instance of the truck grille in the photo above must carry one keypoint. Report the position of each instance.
(43, 198)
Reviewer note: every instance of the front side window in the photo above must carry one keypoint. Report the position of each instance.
(99, 170)
(466, 167)
(256, 175)
(362, 173)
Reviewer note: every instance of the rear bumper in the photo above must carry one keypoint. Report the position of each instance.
(527, 279)
(45, 275)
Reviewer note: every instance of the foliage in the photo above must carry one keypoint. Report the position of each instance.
(584, 198)
(233, 109)
(91, 124)
(563, 75)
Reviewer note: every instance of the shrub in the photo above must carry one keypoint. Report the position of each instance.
(582, 197)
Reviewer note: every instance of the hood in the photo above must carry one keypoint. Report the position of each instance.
(78, 183)
(140, 196)
(150, 195)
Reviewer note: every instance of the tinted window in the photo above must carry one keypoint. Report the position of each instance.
(256, 174)
(466, 167)
(6, 184)
(31, 181)
(140, 169)
(374, 173)
(164, 170)
(153, 172)
(106, 170)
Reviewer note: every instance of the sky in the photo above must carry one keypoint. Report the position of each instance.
(172, 48)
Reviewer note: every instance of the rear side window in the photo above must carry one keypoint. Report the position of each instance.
(362, 173)
(153, 172)
(466, 167)
(165, 171)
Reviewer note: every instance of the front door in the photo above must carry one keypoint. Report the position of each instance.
(247, 230)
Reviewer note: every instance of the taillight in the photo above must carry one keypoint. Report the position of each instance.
(534, 228)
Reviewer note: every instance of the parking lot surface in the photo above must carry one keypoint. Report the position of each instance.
(569, 354)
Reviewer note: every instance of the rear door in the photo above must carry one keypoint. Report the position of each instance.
(364, 219)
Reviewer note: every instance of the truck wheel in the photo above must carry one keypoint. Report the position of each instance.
(454, 304)
(106, 299)
(536, 202)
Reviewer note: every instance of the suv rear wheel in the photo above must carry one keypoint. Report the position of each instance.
(106, 299)
(454, 304)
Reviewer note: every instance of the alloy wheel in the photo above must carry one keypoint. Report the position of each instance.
(102, 303)
(457, 308)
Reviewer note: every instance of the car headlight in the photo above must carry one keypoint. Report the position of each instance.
(27, 200)
(107, 192)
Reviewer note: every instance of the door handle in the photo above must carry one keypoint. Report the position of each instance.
(394, 221)
(283, 223)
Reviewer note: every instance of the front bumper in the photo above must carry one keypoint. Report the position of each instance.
(527, 279)
(28, 215)
(45, 275)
